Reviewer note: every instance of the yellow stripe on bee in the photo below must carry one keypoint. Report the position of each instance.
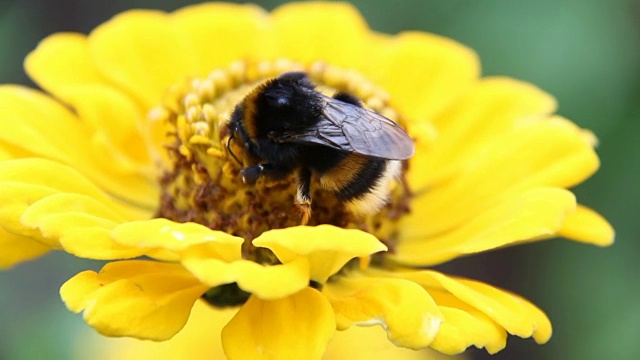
(343, 173)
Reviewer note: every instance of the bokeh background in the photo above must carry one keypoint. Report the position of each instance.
(585, 52)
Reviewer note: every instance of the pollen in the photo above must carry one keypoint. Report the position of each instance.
(203, 185)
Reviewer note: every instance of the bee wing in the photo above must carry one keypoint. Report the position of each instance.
(351, 128)
(369, 133)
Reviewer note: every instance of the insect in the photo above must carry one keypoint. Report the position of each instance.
(287, 127)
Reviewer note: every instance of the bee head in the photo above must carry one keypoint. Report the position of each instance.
(285, 103)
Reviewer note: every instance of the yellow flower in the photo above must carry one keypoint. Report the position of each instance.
(126, 158)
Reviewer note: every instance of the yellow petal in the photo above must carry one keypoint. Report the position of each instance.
(42, 172)
(5, 154)
(539, 326)
(62, 178)
(370, 343)
(532, 154)
(222, 33)
(46, 215)
(327, 247)
(586, 225)
(169, 235)
(17, 249)
(14, 200)
(533, 215)
(91, 242)
(57, 215)
(516, 315)
(296, 327)
(79, 224)
(77, 292)
(405, 310)
(494, 105)
(61, 61)
(587, 135)
(68, 203)
(62, 65)
(67, 140)
(44, 127)
(143, 52)
(142, 299)
(423, 73)
(462, 329)
(25, 181)
(198, 340)
(116, 122)
(266, 282)
(319, 31)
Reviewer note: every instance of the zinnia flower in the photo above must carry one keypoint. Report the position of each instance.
(126, 158)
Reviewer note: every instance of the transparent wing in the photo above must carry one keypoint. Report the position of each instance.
(350, 128)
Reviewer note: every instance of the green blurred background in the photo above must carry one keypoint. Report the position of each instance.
(585, 52)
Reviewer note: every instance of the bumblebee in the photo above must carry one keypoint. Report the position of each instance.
(288, 127)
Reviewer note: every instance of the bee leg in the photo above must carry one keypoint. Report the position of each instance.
(303, 195)
(251, 174)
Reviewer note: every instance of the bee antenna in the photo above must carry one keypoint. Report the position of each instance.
(231, 152)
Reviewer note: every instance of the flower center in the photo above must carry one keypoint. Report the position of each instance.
(204, 185)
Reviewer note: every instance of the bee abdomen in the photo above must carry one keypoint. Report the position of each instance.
(361, 182)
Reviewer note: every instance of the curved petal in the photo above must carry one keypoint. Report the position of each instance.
(169, 235)
(142, 299)
(6, 154)
(196, 341)
(493, 106)
(17, 249)
(296, 327)
(68, 203)
(51, 174)
(370, 343)
(327, 247)
(144, 52)
(42, 199)
(116, 124)
(61, 61)
(464, 328)
(35, 132)
(319, 31)
(586, 225)
(14, 200)
(407, 312)
(266, 282)
(423, 73)
(24, 181)
(80, 224)
(516, 315)
(533, 215)
(222, 32)
(531, 154)
(62, 65)
(68, 141)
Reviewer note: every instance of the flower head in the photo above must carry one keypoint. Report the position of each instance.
(130, 156)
